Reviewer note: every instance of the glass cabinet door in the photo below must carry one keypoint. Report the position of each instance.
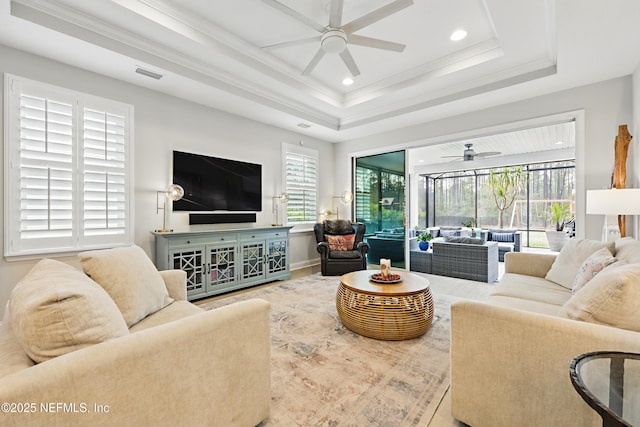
(276, 256)
(221, 265)
(190, 260)
(253, 265)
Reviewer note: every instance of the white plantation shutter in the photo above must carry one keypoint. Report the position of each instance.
(46, 170)
(67, 183)
(301, 174)
(104, 179)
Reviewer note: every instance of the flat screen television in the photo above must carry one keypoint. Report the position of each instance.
(215, 184)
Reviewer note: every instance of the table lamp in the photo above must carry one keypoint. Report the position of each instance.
(611, 203)
(173, 193)
(276, 200)
(345, 199)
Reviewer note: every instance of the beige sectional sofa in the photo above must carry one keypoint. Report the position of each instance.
(107, 356)
(510, 356)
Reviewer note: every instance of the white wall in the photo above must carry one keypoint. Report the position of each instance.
(164, 123)
(633, 161)
(605, 106)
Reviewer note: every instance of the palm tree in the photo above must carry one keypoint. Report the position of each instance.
(505, 185)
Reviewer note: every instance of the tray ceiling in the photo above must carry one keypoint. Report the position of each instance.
(213, 53)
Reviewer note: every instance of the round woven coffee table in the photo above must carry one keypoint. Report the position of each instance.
(398, 311)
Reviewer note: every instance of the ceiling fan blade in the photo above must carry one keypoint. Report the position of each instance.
(374, 43)
(335, 16)
(376, 15)
(314, 61)
(488, 153)
(296, 15)
(451, 157)
(349, 62)
(292, 43)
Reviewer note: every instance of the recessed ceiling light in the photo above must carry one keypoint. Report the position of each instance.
(348, 81)
(458, 35)
(303, 125)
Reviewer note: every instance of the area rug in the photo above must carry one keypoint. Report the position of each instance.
(323, 374)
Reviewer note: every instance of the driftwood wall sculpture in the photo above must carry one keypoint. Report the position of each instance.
(619, 175)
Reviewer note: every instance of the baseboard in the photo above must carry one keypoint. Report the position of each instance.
(303, 264)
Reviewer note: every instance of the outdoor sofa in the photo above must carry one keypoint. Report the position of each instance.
(508, 241)
(388, 244)
(466, 258)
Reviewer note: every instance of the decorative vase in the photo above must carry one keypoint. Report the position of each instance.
(423, 246)
(556, 239)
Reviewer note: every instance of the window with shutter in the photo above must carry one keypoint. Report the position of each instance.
(67, 158)
(301, 168)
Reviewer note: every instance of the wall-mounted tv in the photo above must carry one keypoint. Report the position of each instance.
(215, 184)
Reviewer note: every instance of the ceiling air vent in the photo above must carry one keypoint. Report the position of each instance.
(148, 73)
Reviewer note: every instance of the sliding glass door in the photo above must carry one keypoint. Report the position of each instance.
(380, 205)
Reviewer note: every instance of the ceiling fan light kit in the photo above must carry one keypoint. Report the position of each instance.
(469, 154)
(334, 41)
(335, 38)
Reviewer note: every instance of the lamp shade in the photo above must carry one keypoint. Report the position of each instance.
(624, 201)
(175, 192)
(347, 197)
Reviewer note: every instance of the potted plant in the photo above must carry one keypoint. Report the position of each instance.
(505, 186)
(423, 240)
(471, 223)
(558, 214)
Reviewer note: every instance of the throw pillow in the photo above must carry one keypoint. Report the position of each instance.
(611, 298)
(564, 269)
(338, 226)
(468, 240)
(56, 309)
(591, 266)
(129, 276)
(502, 237)
(449, 233)
(628, 249)
(341, 243)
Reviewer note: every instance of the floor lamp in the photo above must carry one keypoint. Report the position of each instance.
(611, 203)
(173, 193)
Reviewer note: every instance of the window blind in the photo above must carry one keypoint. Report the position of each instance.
(68, 180)
(301, 186)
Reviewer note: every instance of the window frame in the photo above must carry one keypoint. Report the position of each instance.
(306, 152)
(15, 246)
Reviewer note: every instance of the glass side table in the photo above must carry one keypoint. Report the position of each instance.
(610, 383)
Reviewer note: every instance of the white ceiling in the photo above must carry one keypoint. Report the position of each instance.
(535, 144)
(211, 52)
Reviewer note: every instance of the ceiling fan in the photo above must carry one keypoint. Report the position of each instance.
(470, 154)
(335, 37)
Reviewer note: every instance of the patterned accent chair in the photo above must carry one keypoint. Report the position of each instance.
(341, 246)
(508, 241)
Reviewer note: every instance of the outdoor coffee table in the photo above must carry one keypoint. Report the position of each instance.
(397, 311)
